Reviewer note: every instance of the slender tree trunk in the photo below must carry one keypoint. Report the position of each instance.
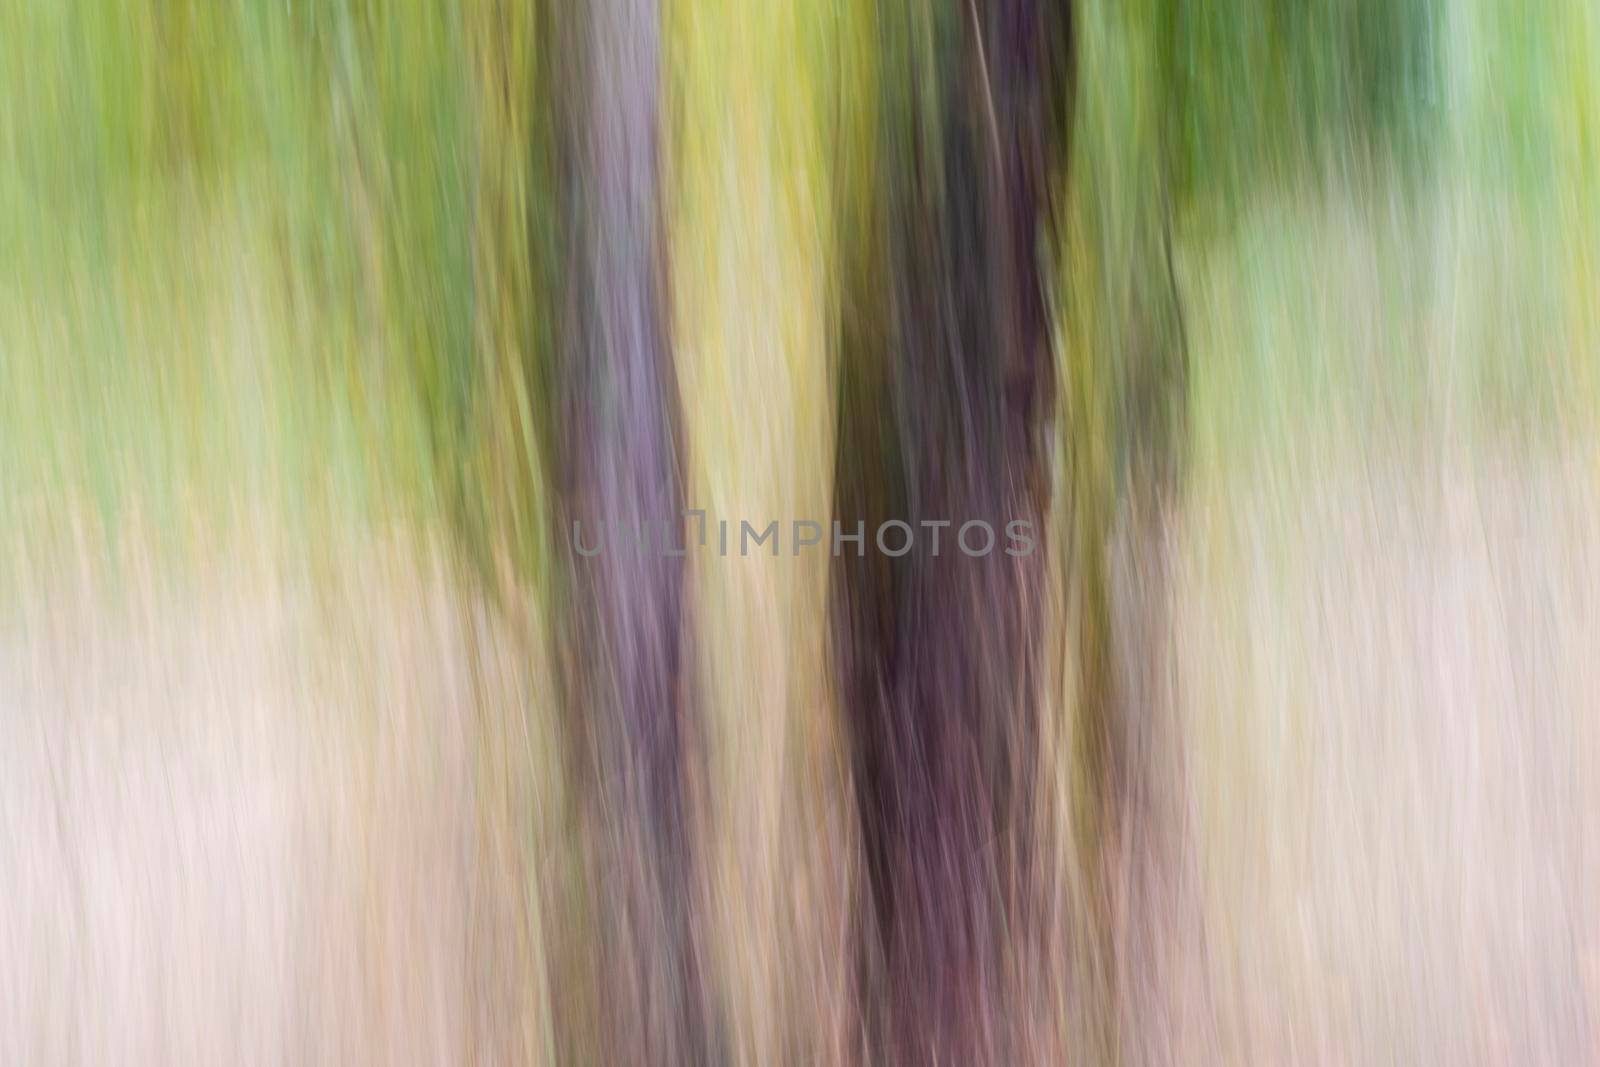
(939, 654)
(620, 469)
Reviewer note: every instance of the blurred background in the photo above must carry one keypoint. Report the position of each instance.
(322, 322)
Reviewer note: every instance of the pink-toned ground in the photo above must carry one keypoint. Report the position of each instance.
(257, 817)
(265, 814)
(1381, 716)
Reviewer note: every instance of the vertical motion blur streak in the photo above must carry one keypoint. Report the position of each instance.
(622, 472)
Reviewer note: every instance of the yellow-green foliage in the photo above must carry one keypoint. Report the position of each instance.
(274, 259)
(752, 248)
(514, 255)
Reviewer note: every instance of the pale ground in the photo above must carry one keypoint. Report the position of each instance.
(255, 818)
(1387, 846)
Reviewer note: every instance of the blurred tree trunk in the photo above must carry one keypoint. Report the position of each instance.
(943, 406)
(619, 461)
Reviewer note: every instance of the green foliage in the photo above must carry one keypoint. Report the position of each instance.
(273, 255)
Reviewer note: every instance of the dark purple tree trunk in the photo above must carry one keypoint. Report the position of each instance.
(939, 654)
(620, 469)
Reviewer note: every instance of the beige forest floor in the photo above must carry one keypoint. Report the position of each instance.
(1381, 843)
(263, 816)
(255, 817)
